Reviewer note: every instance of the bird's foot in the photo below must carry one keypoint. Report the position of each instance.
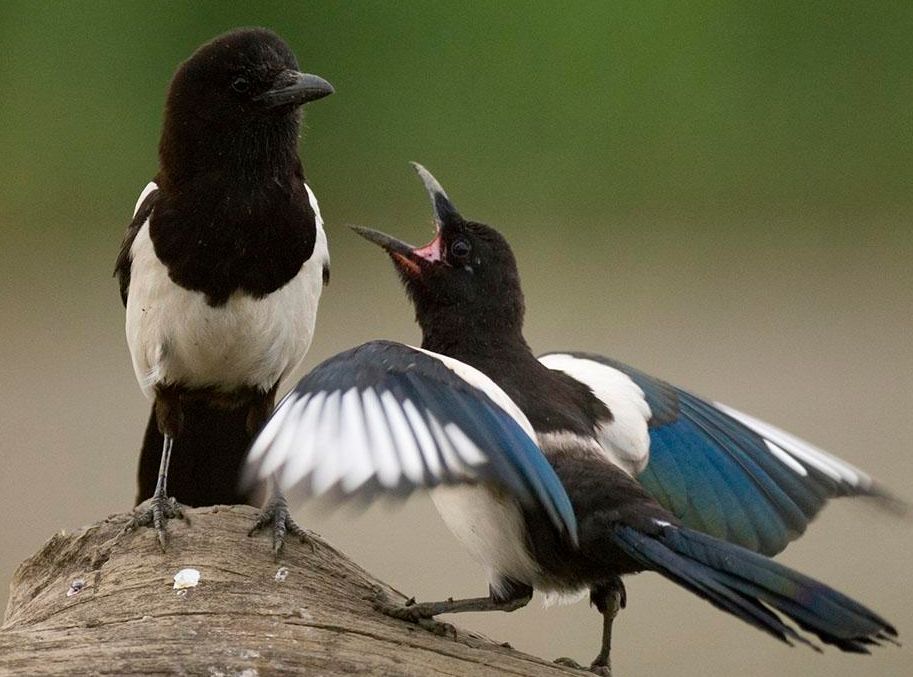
(155, 512)
(419, 614)
(276, 516)
(595, 668)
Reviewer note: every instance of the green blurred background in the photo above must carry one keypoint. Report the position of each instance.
(718, 193)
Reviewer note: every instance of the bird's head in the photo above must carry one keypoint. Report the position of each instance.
(465, 278)
(242, 90)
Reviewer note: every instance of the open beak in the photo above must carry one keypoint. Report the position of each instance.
(409, 259)
(414, 260)
(292, 87)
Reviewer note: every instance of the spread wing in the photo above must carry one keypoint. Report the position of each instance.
(388, 418)
(141, 213)
(719, 470)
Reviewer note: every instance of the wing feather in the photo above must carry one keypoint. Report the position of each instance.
(384, 417)
(721, 471)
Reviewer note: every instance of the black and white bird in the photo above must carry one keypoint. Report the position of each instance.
(561, 473)
(221, 270)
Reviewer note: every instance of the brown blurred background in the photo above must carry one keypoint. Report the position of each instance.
(718, 193)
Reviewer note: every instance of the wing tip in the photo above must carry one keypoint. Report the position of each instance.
(886, 500)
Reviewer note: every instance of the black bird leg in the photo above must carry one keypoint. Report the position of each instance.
(608, 598)
(158, 509)
(512, 595)
(275, 514)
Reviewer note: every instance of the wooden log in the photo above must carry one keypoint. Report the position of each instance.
(103, 601)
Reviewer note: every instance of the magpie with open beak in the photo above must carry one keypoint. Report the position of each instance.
(566, 472)
(221, 271)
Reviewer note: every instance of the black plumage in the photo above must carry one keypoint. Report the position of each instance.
(226, 228)
(208, 460)
(469, 305)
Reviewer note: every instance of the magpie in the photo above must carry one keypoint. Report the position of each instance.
(562, 473)
(221, 270)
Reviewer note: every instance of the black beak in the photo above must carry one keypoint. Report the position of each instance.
(389, 244)
(444, 211)
(294, 88)
(415, 260)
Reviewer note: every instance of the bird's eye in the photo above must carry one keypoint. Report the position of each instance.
(240, 85)
(459, 249)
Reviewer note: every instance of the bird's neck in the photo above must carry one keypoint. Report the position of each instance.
(551, 400)
(245, 161)
(244, 225)
(482, 342)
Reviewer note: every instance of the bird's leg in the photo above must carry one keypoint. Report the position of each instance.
(275, 515)
(259, 409)
(510, 596)
(157, 510)
(275, 512)
(608, 598)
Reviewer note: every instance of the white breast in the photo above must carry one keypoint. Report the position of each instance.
(176, 337)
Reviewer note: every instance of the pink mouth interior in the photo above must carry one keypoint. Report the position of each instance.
(431, 252)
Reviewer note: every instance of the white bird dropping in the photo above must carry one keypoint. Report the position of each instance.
(186, 578)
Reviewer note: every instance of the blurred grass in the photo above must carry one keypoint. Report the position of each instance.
(698, 114)
(717, 192)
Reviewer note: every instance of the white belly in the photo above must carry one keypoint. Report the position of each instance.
(176, 337)
(490, 527)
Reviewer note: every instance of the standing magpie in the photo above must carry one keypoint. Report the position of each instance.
(221, 270)
(562, 473)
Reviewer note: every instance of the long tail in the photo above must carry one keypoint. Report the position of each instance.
(751, 587)
(207, 458)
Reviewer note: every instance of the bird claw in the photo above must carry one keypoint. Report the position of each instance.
(603, 670)
(155, 512)
(276, 516)
(407, 611)
(411, 612)
(438, 628)
(566, 662)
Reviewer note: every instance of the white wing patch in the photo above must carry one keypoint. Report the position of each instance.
(789, 449)
(151, 186)
(318, 441)
(321, 255)
(625, 439)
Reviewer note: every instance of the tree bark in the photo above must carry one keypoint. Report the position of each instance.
(103, 602)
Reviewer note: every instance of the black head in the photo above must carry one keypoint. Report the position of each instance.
(464, 282)
(237, 96)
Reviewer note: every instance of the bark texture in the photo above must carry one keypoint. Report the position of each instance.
(103, 602)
